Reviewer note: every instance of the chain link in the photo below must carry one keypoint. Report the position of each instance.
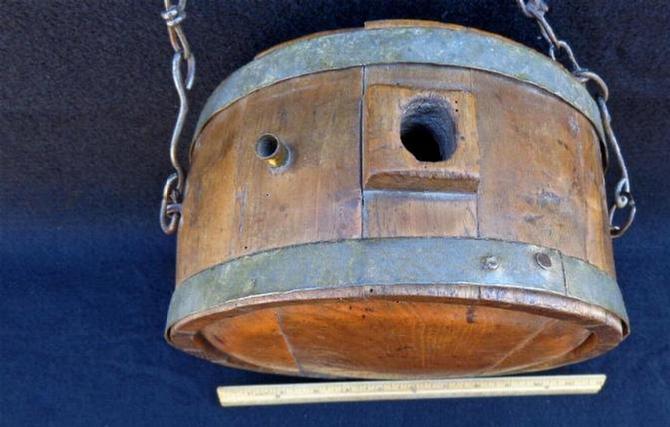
(173, 189)
(623, 199)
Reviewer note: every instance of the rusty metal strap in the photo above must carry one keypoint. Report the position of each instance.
(395, 262)
(450, 45)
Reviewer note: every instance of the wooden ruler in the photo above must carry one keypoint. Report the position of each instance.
(359, 391)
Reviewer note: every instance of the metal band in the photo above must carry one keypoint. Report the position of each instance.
(448, 45)
(396, 261)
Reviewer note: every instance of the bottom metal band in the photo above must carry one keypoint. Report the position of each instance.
(396, 261)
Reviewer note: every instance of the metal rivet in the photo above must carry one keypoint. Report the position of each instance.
(543, 260)
(490, 263)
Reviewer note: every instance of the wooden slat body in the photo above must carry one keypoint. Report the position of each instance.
(526, 168)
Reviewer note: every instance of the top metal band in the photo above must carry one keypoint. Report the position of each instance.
(446, 45)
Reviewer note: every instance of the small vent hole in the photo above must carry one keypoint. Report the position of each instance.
(427, 130)
(266, 146)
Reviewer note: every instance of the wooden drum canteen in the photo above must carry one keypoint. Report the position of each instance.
(404, 200)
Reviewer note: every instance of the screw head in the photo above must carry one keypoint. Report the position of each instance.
(543, 260)
(490, 263)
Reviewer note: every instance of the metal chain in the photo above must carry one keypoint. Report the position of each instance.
(173, 189)
(623, 199)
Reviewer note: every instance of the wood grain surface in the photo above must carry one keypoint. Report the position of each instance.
(235, 205)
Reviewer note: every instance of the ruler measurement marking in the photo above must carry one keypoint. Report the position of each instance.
(351, 391)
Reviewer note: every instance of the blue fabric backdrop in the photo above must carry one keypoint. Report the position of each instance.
(86, 106)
